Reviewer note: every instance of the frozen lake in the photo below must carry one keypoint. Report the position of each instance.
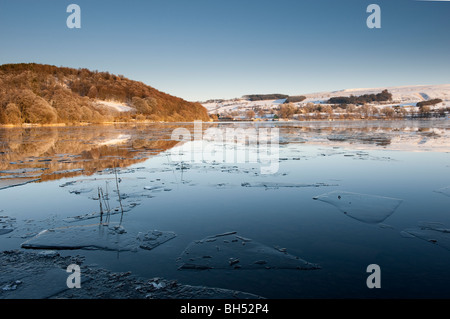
(339, 196)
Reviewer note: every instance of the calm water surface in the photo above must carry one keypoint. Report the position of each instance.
(195, 199)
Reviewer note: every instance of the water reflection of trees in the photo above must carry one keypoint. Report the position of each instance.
(67, 152)
(70, 151)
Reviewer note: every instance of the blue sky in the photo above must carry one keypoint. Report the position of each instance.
(203, 49)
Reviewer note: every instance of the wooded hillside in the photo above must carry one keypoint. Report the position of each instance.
(45, 94)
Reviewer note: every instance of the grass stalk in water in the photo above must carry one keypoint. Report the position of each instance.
(118, 193)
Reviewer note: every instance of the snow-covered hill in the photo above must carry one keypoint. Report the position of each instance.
(402, 95)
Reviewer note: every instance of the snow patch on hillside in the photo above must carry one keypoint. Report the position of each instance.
(119, 107)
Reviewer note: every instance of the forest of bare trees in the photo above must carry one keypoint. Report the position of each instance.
(45, 94)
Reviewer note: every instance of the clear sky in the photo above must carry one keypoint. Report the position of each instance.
(203, 49)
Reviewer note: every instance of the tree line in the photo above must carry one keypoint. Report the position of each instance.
(353, 111)
(429, 102)
(263, 97)
(362, 99)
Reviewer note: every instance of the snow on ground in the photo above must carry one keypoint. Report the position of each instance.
(241, 105)
(402, 95)
(120, 107)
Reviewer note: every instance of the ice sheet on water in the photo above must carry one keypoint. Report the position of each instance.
(154, 238)
(26, 228)
(4, 231)
(370, 209)
(444, 190)
(97, 215)
(75, 170)
(275, 185)
(231, 251)
(355, 155)
(23, 170)
(68, 183)
(7, 224)
(154, 188)
(223, 185)
(432, 232)
(132, 189)
(90, 237)
(9, 183)
(136, 196)
(380, 139)
(96, 237)
(81, 191)
(91, 182)
(20, 176)
(27, 275)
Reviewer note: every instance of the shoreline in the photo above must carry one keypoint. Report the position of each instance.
(28, 125)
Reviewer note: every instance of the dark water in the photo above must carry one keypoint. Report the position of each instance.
(198, 198)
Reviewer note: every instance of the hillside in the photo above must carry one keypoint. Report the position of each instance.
(407, 99)
(46, 94)
(403, 95)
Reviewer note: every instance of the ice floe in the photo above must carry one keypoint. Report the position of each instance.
(444, 190)
(98, 215)
(23, 170)
(4, 231)
(96, 237)
(276, 185)
(81, 191)
(231, 251)
(432, 232)
(8, 183)
(7, 224)
(154, 238)
(67, 171)
(370, 209)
